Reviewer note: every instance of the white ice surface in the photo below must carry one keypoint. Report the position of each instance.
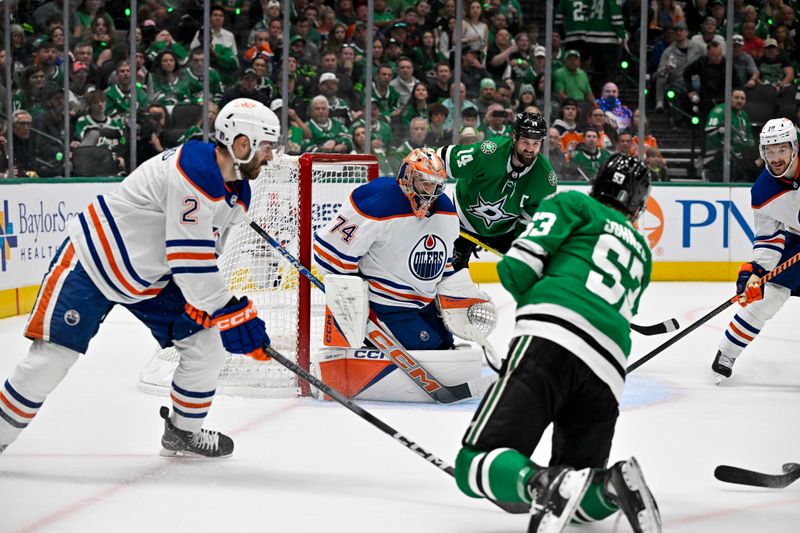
(89, 462)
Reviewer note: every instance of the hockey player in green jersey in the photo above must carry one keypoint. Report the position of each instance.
(577, 273)
(500, 183)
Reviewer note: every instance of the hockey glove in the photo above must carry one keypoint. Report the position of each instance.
(241, 330)
(747, 286)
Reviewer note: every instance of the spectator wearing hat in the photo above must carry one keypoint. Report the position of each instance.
(271, 10)
(327, 133)
(190, 86)
(78, 87)
(305, 51)
(437, 134)
(774, 67)
(527, 97)
(393, 52)
(569, 117)
(673, 62)
(710, 70)
(743, 63)
(469, 135)
(247, 88)
(98, 129)
(571, 81)
(708, 33)
(485, 95)
(339, 107)
(495, 122)
(718, 11)
(405, 82)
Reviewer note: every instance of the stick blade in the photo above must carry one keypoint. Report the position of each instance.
(742, 476)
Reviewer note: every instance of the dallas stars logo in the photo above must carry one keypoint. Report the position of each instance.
(490, 212)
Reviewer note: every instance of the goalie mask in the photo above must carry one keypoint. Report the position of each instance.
(778, 146)
(422, 179)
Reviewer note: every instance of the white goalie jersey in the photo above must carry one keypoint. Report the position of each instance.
(174, 212)
(377, 236)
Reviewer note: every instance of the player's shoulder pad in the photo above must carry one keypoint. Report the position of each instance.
(381, 199)
(766, 188)
(198, 165)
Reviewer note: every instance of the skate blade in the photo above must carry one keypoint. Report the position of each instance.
(719, 379)
(188, 455)
(572, 488)
(649, 518)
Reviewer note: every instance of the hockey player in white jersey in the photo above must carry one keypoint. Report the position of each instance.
(776, 203)
(151, 246)
(398, 234)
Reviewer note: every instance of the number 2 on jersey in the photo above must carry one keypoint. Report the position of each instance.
(615, 293)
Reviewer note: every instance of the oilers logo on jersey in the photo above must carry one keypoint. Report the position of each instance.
(428, 257)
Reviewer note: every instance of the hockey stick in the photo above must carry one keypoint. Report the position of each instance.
(667, 326)
(741, 476)
(720, 308)
(436, 461)
(390, 346)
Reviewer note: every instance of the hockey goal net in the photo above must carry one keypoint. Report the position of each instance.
(295, 197)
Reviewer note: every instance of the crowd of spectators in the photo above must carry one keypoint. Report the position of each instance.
(412, 94)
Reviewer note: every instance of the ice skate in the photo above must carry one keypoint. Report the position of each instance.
(556, 493)
(204, 443)
(722, 366)
(625, 486)
(3, 447)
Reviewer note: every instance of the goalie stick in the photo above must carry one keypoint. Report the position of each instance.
(438, 462)
(385, 341)
(720, 308)
(667, 326)
(741, 476)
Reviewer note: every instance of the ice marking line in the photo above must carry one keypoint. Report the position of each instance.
(704, 517)
(162, 467)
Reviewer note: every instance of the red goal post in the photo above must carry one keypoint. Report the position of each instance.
(293, 198)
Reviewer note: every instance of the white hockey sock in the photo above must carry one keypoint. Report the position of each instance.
(194, 382)
(36, 376)
(747, 323)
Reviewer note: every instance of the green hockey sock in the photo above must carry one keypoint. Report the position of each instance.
(595, 505)
(501, 474)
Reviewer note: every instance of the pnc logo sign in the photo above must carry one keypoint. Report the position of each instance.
(652, 222)
(7, 238)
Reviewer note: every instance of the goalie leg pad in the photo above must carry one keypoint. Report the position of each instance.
(346, 310)
(415, 329)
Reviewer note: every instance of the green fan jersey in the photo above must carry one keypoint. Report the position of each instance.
(577, 273)
(491, 198)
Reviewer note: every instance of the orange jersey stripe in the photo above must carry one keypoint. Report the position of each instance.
(14, 408)
(189, 405)
(35, 328)
(110, 256)
(408, 296)
(333, 260)
(740, 332)
(190, 255)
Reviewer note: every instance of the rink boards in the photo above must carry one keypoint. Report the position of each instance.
(696, 232)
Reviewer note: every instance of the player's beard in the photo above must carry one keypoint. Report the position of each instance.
(252, 169)
(524, 159)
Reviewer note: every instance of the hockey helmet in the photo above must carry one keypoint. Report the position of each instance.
(623, 182)
(778, 131)
(530, 126)
(422, 179)
(250, 118)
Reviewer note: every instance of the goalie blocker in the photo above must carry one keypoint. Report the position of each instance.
(368, 373)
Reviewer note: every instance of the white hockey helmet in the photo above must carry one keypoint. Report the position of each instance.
(250, 118)
(778, 131)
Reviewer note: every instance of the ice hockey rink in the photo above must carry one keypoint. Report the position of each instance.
(90, 460)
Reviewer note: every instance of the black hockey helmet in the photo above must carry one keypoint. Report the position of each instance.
(530, 126)
(623, 182)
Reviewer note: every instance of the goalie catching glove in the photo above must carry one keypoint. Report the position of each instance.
(468, 313)
(241, 330)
